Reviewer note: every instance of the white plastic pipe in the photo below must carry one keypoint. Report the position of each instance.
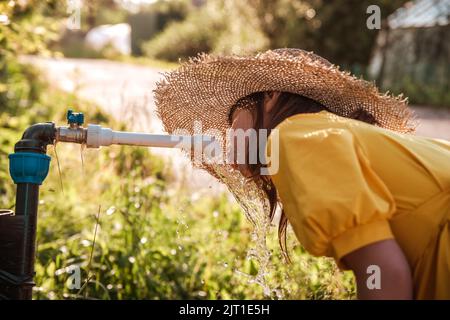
(98, 136)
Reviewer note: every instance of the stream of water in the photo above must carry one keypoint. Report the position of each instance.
(255, 206)
(59, 168)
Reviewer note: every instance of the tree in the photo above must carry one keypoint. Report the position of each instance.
(335, 30)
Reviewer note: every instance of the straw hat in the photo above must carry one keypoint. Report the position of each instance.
(207, 87)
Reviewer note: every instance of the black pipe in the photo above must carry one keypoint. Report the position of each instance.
(36, 138)
(17, 244)
(18, 232)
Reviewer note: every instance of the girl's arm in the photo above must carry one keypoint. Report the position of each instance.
(381, 271)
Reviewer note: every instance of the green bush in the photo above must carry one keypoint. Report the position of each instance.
(208, 29)
(428, 94)
(25, 32)
(248, 26)
(153, 19)
(183, 39)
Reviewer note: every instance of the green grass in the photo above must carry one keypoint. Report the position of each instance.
(155, 239)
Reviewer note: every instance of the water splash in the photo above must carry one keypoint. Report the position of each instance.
(256, 208)
(82, 149)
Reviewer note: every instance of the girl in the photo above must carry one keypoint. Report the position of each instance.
(352, 181)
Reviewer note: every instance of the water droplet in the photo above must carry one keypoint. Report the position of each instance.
(110, 210)
(195, 196)
(201, 294)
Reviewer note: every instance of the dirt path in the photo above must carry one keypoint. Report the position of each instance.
(434, 122)
(117, 87)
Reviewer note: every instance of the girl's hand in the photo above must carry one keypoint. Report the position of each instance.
(386, 260)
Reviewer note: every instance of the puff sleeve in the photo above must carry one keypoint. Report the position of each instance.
(332, 197)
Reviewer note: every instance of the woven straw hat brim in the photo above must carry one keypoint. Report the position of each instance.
(206, 87)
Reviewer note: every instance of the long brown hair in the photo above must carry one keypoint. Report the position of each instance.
(287, 105)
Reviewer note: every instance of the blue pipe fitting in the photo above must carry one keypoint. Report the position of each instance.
(28, 167)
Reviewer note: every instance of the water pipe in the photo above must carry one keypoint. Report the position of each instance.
(29, 166)
(95, 136)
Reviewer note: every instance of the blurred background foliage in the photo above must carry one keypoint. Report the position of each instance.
(219, 26)
(174, 29)
(25, 29)
(335, 30)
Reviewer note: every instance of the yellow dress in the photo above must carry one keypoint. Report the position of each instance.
(345, 184)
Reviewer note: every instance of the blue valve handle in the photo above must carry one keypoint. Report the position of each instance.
(75, 117)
